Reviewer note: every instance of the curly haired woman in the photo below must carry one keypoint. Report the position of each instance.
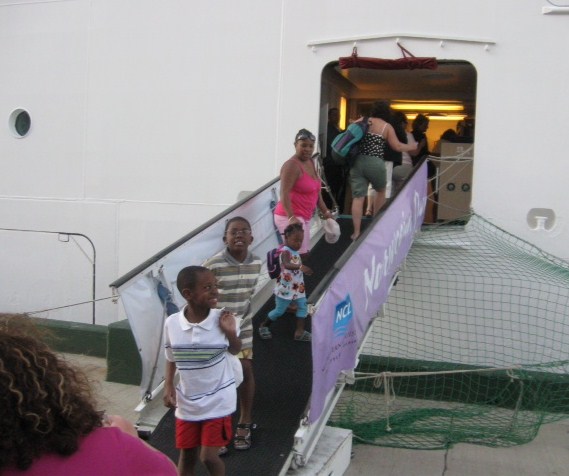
(49, 423)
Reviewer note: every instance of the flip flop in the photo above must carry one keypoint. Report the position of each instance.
(265, 333)
(304, 337)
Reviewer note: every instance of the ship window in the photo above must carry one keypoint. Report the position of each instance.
(20, 122)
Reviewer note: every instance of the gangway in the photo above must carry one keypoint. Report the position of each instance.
(297, 383)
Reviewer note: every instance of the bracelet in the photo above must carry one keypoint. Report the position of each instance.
(290, 218)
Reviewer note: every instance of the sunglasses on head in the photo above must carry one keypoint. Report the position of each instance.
(304, 136)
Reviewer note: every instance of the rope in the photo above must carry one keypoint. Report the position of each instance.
(380, 375)
(72, 305)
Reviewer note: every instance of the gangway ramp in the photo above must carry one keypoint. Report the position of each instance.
(297, 382)
(283, 374)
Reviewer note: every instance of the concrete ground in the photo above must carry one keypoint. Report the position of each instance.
(548, 454)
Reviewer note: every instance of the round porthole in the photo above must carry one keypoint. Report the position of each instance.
(20, 122)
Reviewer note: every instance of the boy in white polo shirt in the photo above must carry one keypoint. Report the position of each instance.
(196, 341)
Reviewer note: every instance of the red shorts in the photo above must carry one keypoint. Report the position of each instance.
(216, 432)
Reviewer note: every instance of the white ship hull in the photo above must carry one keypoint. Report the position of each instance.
(148, 118)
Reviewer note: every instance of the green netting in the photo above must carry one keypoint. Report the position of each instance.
(473, 345)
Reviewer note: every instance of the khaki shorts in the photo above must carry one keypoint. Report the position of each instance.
(245, 354)
(367, 169)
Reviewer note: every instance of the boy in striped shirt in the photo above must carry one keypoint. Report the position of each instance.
(237, 271)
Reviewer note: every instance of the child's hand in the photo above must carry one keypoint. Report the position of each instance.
(227, 323)
(169, 398)
(306, 270)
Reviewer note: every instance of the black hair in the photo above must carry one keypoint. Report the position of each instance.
(449, 135)
(292, 228)
(188, 277)
(397, 121)
(304, 134)
(381, 110)
(419, 121)
(400, 117)
(233, 220)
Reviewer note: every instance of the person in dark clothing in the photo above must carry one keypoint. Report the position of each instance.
(398, 121)
(336, 175)
(419, 128)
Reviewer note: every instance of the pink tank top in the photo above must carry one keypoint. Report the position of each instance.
(303, 196)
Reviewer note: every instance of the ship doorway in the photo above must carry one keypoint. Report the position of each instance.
(413, 92)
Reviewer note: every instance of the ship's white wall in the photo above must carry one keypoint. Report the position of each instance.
(522, 107)
(149, 117)
(163, 112)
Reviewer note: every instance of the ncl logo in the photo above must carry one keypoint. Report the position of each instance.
(343, 316)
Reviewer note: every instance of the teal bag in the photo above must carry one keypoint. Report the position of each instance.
(345, 146)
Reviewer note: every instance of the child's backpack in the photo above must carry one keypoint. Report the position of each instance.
(273, 262)
(345, 146)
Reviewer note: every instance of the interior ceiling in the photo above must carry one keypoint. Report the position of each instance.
(451, 81)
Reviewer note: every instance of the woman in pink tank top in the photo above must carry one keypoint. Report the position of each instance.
(300, 189)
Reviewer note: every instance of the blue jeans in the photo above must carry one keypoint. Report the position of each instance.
(283, 304)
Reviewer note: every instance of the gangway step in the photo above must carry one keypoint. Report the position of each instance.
(331, 456)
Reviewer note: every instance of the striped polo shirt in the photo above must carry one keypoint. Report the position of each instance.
(207, 384)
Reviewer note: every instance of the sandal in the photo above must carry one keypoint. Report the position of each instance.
(243, 441)
(304, 337)
(265, 333)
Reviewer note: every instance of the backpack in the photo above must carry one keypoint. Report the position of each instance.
(273, 262)
(345, 146)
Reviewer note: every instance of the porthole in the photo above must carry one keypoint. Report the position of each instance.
(20, 123)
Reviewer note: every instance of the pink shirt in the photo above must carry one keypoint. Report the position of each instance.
(303, 196)
(104, 451)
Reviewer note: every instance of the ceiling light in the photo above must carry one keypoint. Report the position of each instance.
(426, 106)
(441, 117)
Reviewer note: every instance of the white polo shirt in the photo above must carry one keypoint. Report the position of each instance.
(207, 384)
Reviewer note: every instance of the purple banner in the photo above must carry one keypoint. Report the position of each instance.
(360, 289)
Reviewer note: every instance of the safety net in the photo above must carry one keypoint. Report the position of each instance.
(471, 346)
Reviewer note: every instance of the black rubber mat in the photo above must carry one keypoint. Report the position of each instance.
(283, 374)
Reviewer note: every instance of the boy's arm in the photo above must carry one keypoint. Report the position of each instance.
(169, 389)
(228, 325)
(234, 344)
